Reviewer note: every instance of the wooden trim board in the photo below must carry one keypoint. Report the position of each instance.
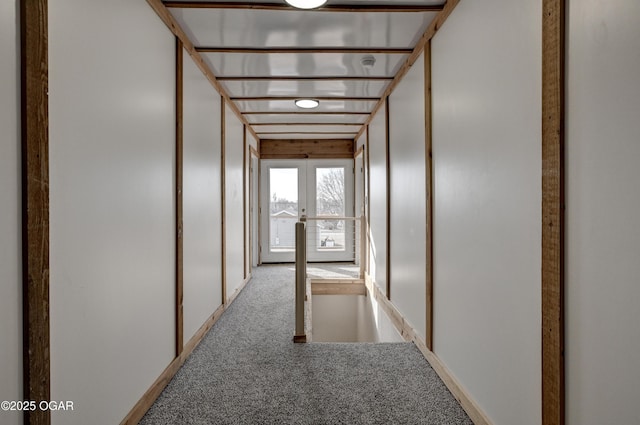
(388, 200)
(146, 401)
(368, 200)
(245, 224)
(303, 78)
(431, 30)
(409, 334)
(178, 193)
(306, 148)
(280, 97)
(338, 287)
(35, 206)
(283, 6)
(428, 172)
(553, 206)
(297, 50)
(173, 25)
(223, 203)
(252, 206)
(235, 294)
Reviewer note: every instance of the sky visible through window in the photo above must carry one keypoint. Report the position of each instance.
(283, 183)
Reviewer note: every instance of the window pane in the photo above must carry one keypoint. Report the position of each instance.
(283, 208)
(330, 201)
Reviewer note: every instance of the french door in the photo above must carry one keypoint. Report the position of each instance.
(313, 188)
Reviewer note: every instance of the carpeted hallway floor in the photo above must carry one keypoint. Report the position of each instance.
(248, 371)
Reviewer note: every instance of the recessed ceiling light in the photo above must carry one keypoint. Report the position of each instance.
(306, 4)
(307, 103)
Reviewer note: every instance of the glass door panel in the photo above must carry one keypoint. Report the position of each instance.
(282, 188)
(330, 194)
(287, 188)
(283, 209)
(330, 202)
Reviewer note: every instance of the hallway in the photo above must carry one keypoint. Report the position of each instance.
(477, 161)
(247, 370)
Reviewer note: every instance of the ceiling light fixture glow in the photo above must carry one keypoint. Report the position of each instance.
(307, 103)
(306, 4)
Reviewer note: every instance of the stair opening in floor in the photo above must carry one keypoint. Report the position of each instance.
(343, 311)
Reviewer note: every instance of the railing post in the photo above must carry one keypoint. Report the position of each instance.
(301, 281)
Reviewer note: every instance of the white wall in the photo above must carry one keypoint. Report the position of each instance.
(603, 235)
(112, 205)
(378, 201)
(486, 157)
(201, 199)
(10, 221)
(407, 191)
(233, 181)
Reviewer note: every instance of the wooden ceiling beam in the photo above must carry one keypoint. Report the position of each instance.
(306, 132)
(177, 30)
(303, 113)
(304, 78)
(431, 30)
(387, 8)
(297, 50)
(305, 123)
(272, 98)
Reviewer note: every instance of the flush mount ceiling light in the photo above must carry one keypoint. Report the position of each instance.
(307, 103)
(306, 4)
(368, 61)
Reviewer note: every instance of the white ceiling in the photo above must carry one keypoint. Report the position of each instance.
(265, 55)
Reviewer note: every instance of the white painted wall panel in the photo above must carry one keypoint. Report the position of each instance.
(407, 192)
(112, 205)
(234, 131)
(603, 235)
(486, 156)
(202, 199)
(10, 207)
(378, 182)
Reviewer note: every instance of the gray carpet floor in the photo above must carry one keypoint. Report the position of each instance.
(247, 370)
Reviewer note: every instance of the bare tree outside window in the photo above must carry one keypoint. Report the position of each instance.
(330, 202)
(330, 191)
